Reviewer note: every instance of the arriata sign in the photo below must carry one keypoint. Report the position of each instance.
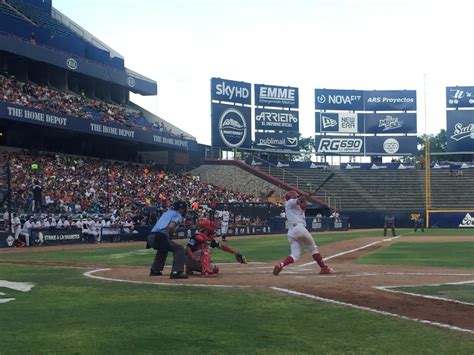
(277, 120)
(277, 96)
(231, 91)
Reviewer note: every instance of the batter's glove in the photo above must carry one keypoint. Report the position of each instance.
(240, 258)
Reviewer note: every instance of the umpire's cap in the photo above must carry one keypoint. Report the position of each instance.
(180, 204)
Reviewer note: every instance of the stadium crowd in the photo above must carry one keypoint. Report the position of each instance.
(54, 183)
(49, 99)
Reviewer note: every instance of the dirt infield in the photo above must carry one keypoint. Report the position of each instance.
(354, 284)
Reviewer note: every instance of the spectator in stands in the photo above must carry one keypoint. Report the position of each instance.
(37, 197)
(33, 38)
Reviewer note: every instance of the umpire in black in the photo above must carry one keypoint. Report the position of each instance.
(160, 240)
(389, 222)
(419, 223)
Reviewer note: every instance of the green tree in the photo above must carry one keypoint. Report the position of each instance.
(438, 143)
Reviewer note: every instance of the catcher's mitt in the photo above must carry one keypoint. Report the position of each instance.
(240, 258)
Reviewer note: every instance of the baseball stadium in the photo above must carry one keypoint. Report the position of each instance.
(125, 230)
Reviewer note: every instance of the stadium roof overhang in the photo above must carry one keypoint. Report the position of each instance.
(126, 78)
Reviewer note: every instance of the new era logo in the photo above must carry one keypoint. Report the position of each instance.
(328, 122)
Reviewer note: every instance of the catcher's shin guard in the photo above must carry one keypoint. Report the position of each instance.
(206, 267)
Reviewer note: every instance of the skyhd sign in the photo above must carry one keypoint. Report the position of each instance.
(230, 126)
(231, 91)
(358, 100)
(278, 120)
(460, 131)
(276, 96)
(277, 141)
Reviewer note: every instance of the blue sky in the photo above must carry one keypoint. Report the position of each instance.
(340, 44)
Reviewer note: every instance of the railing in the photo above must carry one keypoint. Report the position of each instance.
(303, 184)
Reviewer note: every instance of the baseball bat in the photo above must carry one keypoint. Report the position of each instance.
(323, 183)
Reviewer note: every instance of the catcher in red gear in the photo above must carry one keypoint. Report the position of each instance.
(198, 250)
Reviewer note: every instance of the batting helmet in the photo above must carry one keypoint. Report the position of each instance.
(291, 194)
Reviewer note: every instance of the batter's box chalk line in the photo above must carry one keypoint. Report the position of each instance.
(345, 304)
(91, 275)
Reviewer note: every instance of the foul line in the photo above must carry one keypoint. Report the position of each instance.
(389, 289)
(90, 274)
(357, 249)
(363, 308)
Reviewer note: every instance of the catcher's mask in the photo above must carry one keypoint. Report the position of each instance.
(208, 226)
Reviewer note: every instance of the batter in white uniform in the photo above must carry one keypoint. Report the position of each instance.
(298, 235)
(225, 223)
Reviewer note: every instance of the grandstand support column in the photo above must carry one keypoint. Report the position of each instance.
(427, 180)
(9, 197)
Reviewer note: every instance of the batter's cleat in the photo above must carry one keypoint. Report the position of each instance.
(326, 271)
(277, 269)
(155, 273)
(178, 275)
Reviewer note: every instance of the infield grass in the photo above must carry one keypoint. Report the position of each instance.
(463, 293)
(449, 254)
(66, 313)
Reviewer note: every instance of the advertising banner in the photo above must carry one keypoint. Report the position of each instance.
(339, 122)
(56, 236)
(254, 161)
(389, 122)
(374, 145)
(391, 145)
(459, 96)
(276, 120)
(390, 100)
(231, 91)
(55, 120)
(371, 166)
(343, 145)
(276, 96)
(460, 131)
(359, 100)
(452, 219)
(349, 100)
(231, 126)
(283, 141)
